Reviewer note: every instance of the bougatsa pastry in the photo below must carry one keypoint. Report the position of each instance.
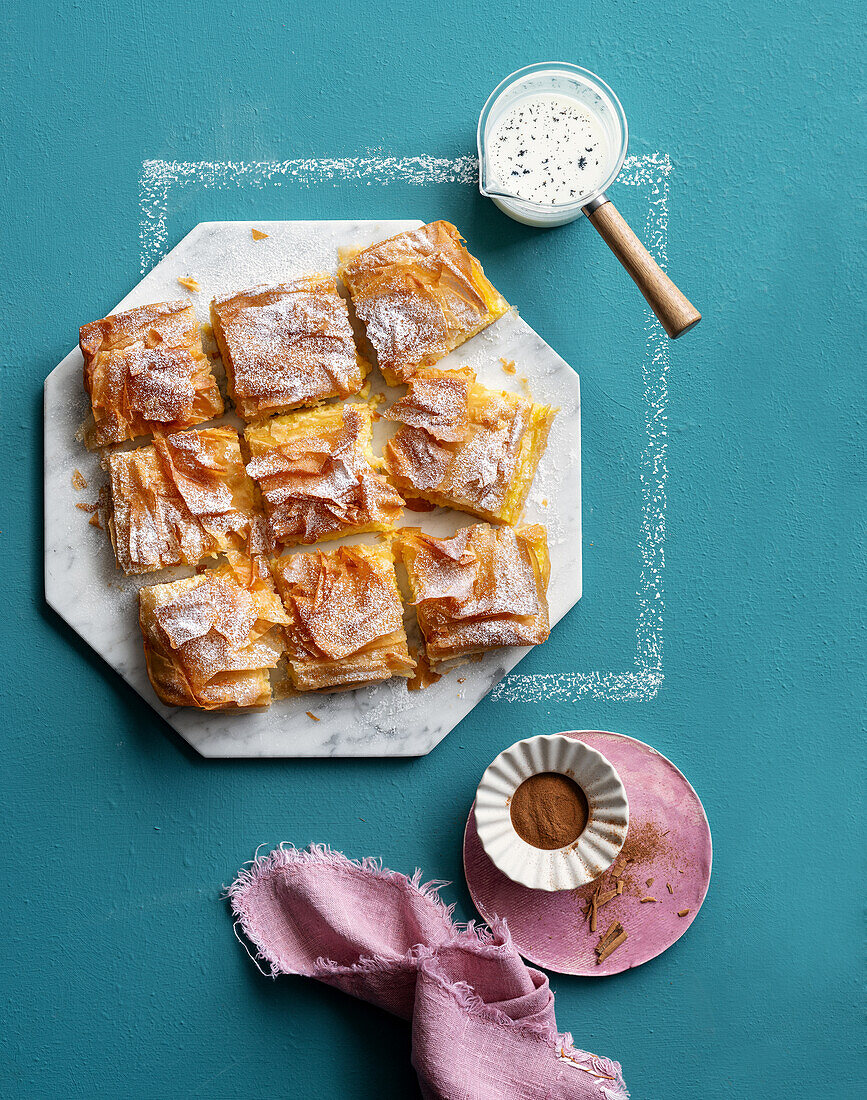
(465, 446)
(420, 295)
(210, 639)
(145, 371)
(184, 498)
(484, 587)
(318, 475)
(345, 618)
(286, 346)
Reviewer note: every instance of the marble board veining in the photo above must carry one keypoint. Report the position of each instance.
(84, 587)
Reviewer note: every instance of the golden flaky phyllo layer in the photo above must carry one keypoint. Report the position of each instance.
(182, 499)
(145, 371)
(484, 587)
(287, 345)
(345, 618)
(318, 475)
(465, 446)
(211, 639)
(419, 294)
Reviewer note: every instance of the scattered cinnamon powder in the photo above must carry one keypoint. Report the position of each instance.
(644, 842)
(258, 235)
(549, 810)
(190, 283)
(312, 716)
(78, 480)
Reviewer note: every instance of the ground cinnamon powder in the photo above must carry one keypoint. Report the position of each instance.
(549, 810)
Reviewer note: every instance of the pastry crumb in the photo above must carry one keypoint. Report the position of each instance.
(312, 716)
(424, 675)
(79, 481)
(682, 912)
(508, 366)
(189, 282)
(94, 521)
(258, 235)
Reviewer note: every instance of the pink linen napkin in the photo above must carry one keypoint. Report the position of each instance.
(483, 1024)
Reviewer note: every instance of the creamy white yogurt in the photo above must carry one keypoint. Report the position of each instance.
(547, 149)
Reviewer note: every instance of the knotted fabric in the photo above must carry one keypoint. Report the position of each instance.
(483, 1025)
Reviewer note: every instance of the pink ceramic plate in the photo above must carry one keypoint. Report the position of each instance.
(668, 844)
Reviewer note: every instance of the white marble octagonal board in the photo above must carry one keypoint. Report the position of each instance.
(84, 587)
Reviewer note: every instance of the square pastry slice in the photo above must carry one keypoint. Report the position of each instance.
(182, 499)
(318, 475)
(419, 294)
(484, 587)
(288, 345)
(145, 372)
(345, 618)
(464, 446)
(210, 639)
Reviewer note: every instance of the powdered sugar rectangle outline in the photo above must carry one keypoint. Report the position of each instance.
(650, 172)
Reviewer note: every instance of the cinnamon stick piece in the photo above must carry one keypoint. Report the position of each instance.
(611, 947)
(614, 929)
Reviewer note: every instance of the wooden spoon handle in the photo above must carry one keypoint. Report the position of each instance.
(674, 309)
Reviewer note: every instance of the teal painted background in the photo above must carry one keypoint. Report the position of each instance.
(125, 979)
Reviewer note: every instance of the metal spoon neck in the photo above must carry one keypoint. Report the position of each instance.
(591, 207)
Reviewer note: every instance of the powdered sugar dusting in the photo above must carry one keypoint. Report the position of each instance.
(209, 640)
(642, 682)
(317, 483)
(346, 617)
(287, 344)
(184, 497)
(419, 294)
(459, 441)
(477, 590)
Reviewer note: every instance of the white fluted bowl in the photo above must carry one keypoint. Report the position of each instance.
(561, 868)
